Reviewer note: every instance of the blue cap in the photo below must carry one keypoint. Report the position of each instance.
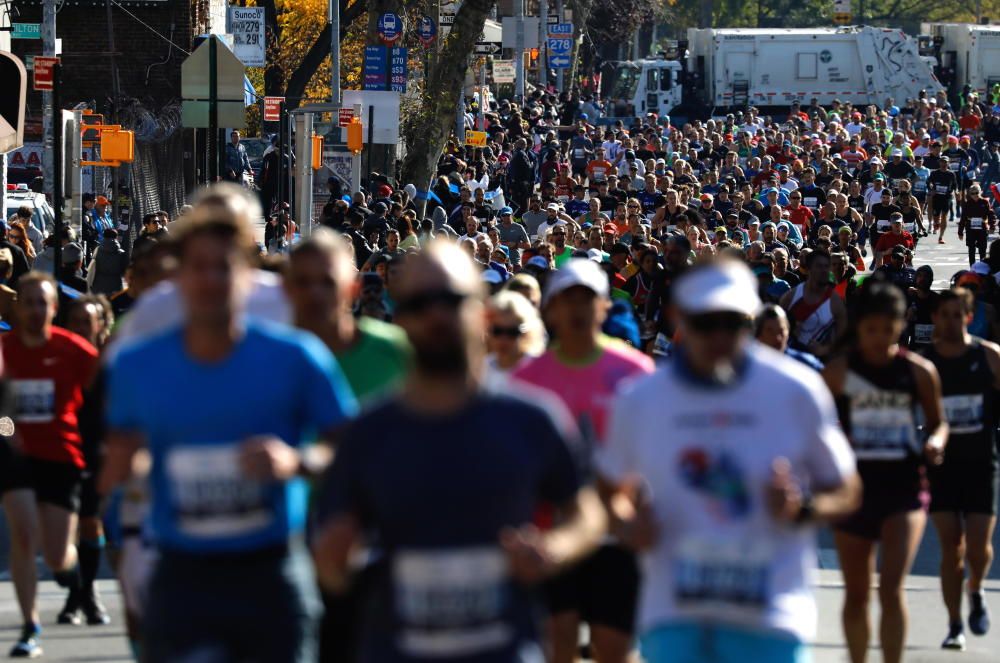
(584, 116)
(769, 190)
(782, 167)
(788, 143)
(539, 261)
(506, 210)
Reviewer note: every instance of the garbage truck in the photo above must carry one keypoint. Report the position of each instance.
(715, 70)
(969, 52)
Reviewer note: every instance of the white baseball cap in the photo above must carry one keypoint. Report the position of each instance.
(725, 286)
(577, 272)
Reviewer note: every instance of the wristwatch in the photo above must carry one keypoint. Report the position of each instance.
(807, 512)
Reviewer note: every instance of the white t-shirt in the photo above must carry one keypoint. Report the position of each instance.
(161, 308)
(706, 456)
(544, 228)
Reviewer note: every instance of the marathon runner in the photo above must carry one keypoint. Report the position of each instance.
(879, 388)
(321, 283)
(964, 486)
(818, 317)
(48, 369)
(233, 581)
(942, 186)
(454, 518)
(584, 368)
(976, 222)
(723, 507)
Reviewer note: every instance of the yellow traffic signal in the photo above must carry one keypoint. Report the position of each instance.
(117, 145)
(355, 136)
(317, 152)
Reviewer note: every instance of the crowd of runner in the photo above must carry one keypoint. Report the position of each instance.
(456, 424)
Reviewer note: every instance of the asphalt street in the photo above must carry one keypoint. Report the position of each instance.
(928, 619)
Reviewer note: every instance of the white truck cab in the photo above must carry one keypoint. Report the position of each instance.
(639, 87)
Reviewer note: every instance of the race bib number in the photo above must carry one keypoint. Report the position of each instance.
(810, 202)
(941, 189)
(882, 225)
(954, 165)
(975, 223)
(451, 602)
(964, 413)
(882, 426)
(923, 333)
(34, 401)
(211, 496)
(910, 227)
(712, 575)
(919, 186)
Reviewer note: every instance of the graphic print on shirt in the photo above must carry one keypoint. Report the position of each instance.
(882, 420)
(711, 572)
(451, 602)
(212, 496)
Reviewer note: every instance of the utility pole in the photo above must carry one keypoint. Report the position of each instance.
(116, 91)
(559, 71)
(335, 52)
(543, 33)
(57, 166)
(519, 50)
(48, 112)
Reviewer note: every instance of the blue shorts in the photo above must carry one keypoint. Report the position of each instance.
(688, 642)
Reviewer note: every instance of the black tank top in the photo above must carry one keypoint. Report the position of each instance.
(969, 404)
(878, 413)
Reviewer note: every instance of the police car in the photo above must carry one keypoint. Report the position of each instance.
(18, 195)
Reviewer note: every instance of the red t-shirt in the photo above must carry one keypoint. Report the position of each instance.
(890, 240)
(48, 383)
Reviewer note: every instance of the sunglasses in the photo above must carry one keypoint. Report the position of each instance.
(424, 301)
(509, 332)
(707, 323)
(558, 234)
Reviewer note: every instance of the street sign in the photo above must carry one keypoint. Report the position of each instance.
(272, 109)
(390, 27)
(447, 11)
(558, 62)
(12, 104)
(44, 67)
(26, 31)
(426, 30)
(842, 18)
(397, 69)
(475, 138)
(487, 48)
(246, 25)
(561, 29)
(503, 71)
(344, 117)
(510, 31)
(196, 92)
(375, 66)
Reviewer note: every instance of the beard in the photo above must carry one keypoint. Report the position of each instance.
(441, 356)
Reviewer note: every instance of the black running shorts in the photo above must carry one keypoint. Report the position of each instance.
(603, 589)
(964, 487)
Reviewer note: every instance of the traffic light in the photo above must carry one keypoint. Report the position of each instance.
(117, 145)
(317, 152)
(355, 136)
(15, 78)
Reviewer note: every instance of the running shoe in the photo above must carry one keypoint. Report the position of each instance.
(955, 639)
(27, 645)
(979, 614)
(93, 609)
(69, 614)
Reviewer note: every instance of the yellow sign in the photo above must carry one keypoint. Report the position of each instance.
(842, 18)
(475, 138)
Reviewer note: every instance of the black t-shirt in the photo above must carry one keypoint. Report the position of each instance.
(942, 182)
(436, 492)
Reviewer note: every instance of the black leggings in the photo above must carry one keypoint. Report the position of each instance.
(974, 241)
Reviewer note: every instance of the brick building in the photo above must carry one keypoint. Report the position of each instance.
(152, 39)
